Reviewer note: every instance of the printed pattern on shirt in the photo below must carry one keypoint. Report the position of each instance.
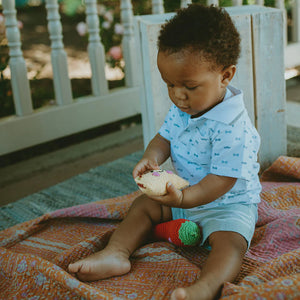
(204, 145)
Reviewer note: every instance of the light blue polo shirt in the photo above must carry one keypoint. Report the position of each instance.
(222, 141)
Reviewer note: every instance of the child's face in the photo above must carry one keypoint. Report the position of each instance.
(193, 86)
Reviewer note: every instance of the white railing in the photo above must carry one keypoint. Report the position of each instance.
(30, 127)
(292, 54)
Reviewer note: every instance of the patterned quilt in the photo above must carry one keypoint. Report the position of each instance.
(34, 255)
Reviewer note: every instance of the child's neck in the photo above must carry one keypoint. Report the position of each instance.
(199, 114)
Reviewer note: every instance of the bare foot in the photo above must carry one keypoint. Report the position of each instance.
(100, 265)
(196, 291)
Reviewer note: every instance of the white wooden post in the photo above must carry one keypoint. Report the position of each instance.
(128, 45)
(62, 84)
(237, 2)
(185, 3)
(96, 50)
(268, 53)
(19, 80)
(158, 7)
(296, 21)
(244, 77)
(213, 2)
(279, 4)
(260, 2)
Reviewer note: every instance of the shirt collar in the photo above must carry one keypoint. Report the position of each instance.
(228, 109)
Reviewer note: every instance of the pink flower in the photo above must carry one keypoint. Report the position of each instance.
(119, 29)
(81, 28)
(20, 24)
(115, 52)
(101, 9)
(108, 16)
(106, 25)
(1, 19)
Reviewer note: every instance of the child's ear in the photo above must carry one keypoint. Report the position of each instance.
(228, 74)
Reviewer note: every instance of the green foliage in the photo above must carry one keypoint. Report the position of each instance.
(171, 5)
(71, 7)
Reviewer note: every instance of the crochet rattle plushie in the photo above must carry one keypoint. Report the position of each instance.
(180, 232)
(154, 183)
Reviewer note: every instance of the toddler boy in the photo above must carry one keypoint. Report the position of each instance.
(212, 143)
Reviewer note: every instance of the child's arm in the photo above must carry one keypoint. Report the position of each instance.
(210, 188)
(157, 152)
(207, 190)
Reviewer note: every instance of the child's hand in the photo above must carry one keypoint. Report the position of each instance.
(173, 198)
(143, 166)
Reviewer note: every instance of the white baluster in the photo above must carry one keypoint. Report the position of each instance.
(260, 2)
(19, 80)
(185, 3)
(128, 44)
(237, 2)
(213, 2)
(279, 4)
(158, 7)
(62, 84)
(96, 50)
(296, 21)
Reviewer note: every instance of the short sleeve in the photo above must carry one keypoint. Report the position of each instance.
(165, 129)
(234, 151)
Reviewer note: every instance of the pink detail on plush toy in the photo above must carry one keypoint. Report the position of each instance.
(170, 172)
(155, 174)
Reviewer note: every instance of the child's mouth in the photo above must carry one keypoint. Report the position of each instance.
(183, 108)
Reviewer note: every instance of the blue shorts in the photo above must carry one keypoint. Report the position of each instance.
(240, 218)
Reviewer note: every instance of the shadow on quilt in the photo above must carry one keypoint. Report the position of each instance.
(34, 255)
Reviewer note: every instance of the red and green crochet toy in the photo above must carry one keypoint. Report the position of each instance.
(180, 232)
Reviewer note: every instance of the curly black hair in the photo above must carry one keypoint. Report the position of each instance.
(207, 30)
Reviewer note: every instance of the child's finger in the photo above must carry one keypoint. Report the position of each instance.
(153, 166)
(171, 188)
(174, 193)
(136, 171)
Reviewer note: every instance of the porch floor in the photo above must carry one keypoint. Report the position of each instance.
(27, 177)
(30, 176)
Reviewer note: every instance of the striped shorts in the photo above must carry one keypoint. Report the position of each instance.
(240, 218)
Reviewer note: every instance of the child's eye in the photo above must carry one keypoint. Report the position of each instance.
(190, 88)
(170, 85)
